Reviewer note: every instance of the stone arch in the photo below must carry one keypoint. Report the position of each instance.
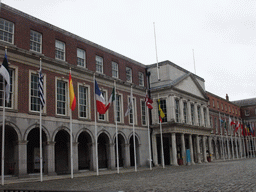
(59, 129)
(136, 136)
(106, 132)
(120, 133)
(15, 127)
(104, 151)
(11, 144)
(85, 141)
(36, 125)
(62, 150)
(122, 141)
(87, 131)
(32, 136)
(137, 146)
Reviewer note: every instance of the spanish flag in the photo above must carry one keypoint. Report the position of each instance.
(160, 112)
(72, 96)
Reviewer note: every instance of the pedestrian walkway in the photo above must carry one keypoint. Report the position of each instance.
(229, 175)
(36, 177)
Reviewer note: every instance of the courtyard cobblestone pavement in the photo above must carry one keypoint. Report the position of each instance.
(229, 175)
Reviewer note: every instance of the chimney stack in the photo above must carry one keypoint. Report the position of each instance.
(227, 98)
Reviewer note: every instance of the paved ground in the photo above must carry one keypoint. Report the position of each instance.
(236, 175)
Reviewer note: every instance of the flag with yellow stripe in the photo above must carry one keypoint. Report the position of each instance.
(72, 96)
(160, 112)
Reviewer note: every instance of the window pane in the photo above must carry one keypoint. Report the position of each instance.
(35, 41)
(61, 97)
(83, 95)
(6, 31)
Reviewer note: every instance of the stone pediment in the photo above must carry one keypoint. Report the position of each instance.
(188, 84)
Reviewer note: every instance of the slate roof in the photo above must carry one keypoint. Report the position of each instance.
(245, 102)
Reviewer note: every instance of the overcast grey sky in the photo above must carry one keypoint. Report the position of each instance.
(221, 32)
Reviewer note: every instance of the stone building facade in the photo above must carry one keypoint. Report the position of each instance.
(227, 141)
(27, 40)
(248, 114)
(186, 125)
(191, 128)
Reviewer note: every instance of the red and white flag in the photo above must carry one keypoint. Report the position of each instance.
(148, 102)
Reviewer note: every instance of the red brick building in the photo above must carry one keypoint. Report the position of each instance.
(227, 141)
(28, 39)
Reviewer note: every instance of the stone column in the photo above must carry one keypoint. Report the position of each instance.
(94, 165)
(22, 160)
(202, 116)
(198, 149)
(111, 157)
(75, 157)
(210, 147)
(232, 146)
(204, 149)
(172, 108)
(183, 148)
(250, 146)
(154, 147)
(208, 124)
(191, 150)
(196, 114)
(50, 159)
(189, 113)
(247, 146)
(174, 150)
(237, 156)
(127, 155)
(229, 155)
(181, 106)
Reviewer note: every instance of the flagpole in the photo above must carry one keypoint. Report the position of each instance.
(95, 133)
(40, 142)
(232, 144)
(222, 148)
(156, 53)
(133, 128)
(71, 138)
(3, 128)
(115, 116)
(162, 145)
(149, 143)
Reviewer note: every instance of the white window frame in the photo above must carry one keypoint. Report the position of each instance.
(177, 110)
(32, 72)
(247, 112)
(10, 33)
(66, 96)
(205, 116)
(143, 104)
(128, 74)
(141, 79)
(58, 49)
(134, 111)
(13, 89)
(99, 64)
(115, 70)
(121, 107)
(192, 106)
(199, 115)
(37, 43)
(81, 58)
(185, 112)
(88, 101)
